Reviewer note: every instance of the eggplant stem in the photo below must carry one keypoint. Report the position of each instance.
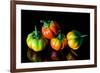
(45, 23)
(36, 32)
(59, 35)
(84, 36)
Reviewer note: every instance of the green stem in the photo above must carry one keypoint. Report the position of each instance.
(36, 32)
(46, 23)
(82, 36)
(59, 35)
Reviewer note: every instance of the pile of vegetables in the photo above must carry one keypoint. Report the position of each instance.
(50, 43)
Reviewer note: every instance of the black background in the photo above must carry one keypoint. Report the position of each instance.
(67, 21)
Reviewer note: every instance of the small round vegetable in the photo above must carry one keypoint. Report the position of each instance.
(35, 41)
(49, 29)
(59, 42)
(75, 39)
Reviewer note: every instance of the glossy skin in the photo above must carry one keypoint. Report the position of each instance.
(47, 33)
(54, 27)
(36, 44)
(49, 30)
(55, 44)
(74, 39)
(58, 44)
